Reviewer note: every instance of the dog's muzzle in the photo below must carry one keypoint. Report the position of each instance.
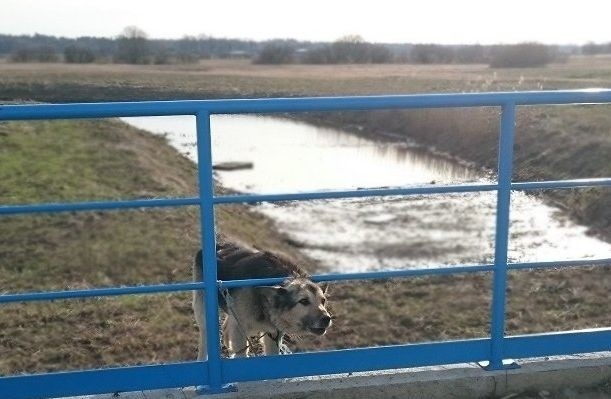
(322, 325)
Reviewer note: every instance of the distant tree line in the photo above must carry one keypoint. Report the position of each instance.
(346, 50)
(593, 48)
(349, 50)
(523, 55)
(133, 46)
(130, 46)
(353, 50)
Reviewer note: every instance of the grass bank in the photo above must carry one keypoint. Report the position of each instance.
(90, 159)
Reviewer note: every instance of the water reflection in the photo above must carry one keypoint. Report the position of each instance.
(293, 156)
(374, 233)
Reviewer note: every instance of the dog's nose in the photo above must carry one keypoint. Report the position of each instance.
(325, 321)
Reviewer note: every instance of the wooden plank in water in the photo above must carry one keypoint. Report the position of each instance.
(227, 166)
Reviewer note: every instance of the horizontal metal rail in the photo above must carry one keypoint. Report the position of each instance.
(217, 371)
(272, 105)
(403, 356)
(97, 205)
(559, 264)
(99, 292)
(421, 272)
(248, 198)
(561, 184)
(145, 377)
(281, 197)
(380, 275)
(99, 381)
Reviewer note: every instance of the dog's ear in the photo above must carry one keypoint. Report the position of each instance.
(270, 292)
(325, 288)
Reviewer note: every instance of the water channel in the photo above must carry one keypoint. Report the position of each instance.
(352, 235)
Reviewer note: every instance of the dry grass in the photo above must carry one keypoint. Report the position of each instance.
(551, 142)
(237, 78)
(88, 159)
(95, 249)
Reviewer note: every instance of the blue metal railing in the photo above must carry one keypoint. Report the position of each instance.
(216, 372)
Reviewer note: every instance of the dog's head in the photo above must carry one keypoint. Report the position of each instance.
(298, 306)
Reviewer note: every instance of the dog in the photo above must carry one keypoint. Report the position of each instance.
(296, 306)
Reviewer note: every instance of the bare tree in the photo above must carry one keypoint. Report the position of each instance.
(350, 49)
(133, 46)
(188, 49)
(522, 55)
(275, 54)
(42, 53)
(431, 54)
(78, 54)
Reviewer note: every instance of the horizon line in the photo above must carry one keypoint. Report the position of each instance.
(203, 36)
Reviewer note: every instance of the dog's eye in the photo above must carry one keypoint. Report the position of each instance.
(324, 301)
(304, 301)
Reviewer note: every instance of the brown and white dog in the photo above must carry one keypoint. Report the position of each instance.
(297, 306)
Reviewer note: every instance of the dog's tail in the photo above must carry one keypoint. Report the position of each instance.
(197, 270)
(198, 275)
(222, 244)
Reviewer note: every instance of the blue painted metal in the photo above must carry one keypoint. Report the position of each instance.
(355, 360)
(387, 274)
(110, 380)
(301, 364)
(559, 264)
(505, 161)
(271, 105)
(235, 199)
(96, 205)
(216, 372)
(206, 192)
(98, 292)
(404, 356)
(420, 272)
(559, 343)
(361, 193)
(561, 184)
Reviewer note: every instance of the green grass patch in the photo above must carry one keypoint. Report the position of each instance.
(91, 160)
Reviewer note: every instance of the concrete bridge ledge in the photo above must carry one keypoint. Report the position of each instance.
(455, 381)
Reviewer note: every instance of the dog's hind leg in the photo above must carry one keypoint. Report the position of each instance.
(198, 310)
(236, 342)
(225, 335)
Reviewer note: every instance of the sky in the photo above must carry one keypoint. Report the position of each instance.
(398, 21)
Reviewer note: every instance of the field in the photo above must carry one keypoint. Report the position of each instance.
(239, 78)
(551, 142)
(76, 160)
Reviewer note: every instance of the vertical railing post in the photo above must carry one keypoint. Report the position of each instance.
(505, 168)
(206, 193)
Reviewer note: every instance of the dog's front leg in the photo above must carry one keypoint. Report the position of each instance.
(272, 344)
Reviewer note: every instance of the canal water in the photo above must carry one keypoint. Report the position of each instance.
(364, 234)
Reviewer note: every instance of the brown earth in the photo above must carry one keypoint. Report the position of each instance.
(85, 160)
(96, 249)
(551, 142)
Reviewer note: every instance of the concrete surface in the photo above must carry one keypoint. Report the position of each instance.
(455, 381)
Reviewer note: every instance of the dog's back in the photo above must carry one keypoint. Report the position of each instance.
(236, 262)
